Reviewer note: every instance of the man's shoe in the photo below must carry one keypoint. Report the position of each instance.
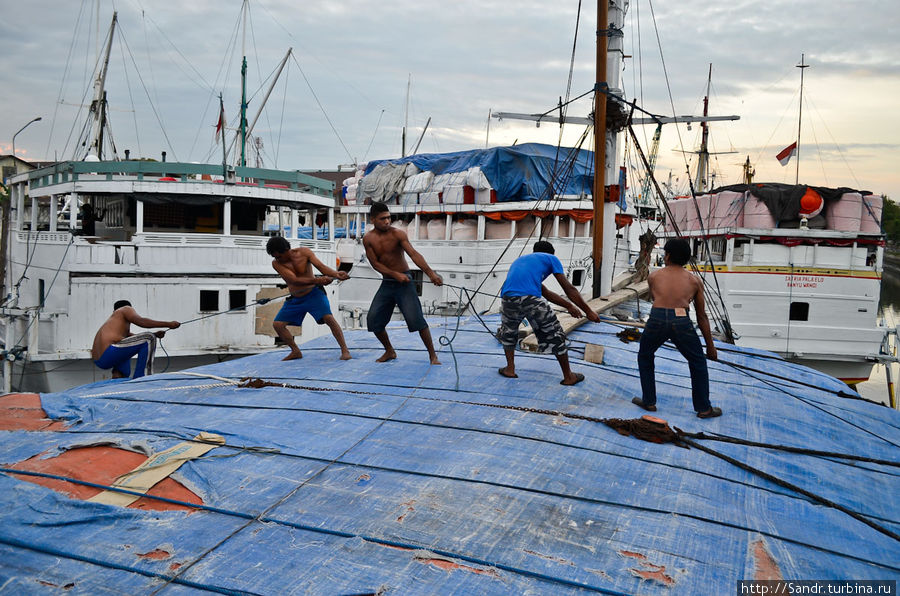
(640, 403)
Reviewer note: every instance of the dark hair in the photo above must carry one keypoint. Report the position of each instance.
(679, 251)
(120, 303)
(544, 246)
(377, 209)
(277, 244)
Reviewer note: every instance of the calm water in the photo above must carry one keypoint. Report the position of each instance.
(876, 387)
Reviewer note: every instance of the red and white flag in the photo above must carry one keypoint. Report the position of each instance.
(787, 153)
(220, 125)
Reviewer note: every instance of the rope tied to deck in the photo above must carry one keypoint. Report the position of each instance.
(645, 428)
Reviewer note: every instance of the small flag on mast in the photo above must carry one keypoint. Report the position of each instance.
(220, 125)
(787, 153)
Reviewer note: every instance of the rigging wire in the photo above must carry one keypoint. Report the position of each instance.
(321, 107)
(62, 82)
(137, 133)
(372, 140)
(162, 127)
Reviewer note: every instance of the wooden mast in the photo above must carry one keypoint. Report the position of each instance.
(599, 190)
(700, 182)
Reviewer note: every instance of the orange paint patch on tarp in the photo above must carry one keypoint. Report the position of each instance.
(765, 568)
(448, 565)
(650, 571)
(157, 554)
(102, 465)
(23, 411)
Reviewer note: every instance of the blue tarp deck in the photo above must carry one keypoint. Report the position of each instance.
(403, 477)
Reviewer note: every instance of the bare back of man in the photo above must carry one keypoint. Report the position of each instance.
(118, 326)
(674, 287)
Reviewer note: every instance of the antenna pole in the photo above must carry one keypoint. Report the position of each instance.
(801, 66)
(244, 90)
(405, 118)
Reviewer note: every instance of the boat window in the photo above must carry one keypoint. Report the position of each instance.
(209, 300)
(740, 247)
(246, 217)
(41, 293)
(717, 248)
(237, 300)
(799, 311)
(577, 277)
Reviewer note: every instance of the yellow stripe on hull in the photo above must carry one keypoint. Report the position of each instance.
(781, 270)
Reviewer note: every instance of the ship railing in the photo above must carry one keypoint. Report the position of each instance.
(71, 171)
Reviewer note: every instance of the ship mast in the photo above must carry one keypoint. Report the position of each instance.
(802, 67)
(244, 89)
(703, 154)
(98, 108)
(599, 190)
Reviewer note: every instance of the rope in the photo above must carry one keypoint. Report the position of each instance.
(790, 486)
(261, 301)
(788, 448)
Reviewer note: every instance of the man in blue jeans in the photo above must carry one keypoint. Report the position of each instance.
(673, 289)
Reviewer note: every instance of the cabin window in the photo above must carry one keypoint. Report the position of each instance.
(577, 277)
(740, 247)
(164, 215)
(246, 217)
(799, 311)
(41, 293)
(237, 300)
(717, 248)
(209, 300)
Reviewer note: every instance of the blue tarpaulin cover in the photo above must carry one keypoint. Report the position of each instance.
(518, 173)
(403, 477)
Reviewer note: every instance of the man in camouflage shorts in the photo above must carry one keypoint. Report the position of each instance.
(524, 296)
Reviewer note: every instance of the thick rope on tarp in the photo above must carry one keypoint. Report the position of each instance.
(645, 428)
(790, 486)
(787, 448)
(655, 430)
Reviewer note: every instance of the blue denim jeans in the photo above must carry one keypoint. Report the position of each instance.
(664, 325)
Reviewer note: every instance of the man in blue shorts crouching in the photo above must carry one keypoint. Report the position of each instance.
(115, 344)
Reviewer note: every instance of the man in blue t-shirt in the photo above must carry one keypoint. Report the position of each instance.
(522, 298)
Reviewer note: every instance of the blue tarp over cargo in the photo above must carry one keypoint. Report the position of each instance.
(518, 173)
(350, 477)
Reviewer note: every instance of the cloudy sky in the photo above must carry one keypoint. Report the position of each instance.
(342, 97)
